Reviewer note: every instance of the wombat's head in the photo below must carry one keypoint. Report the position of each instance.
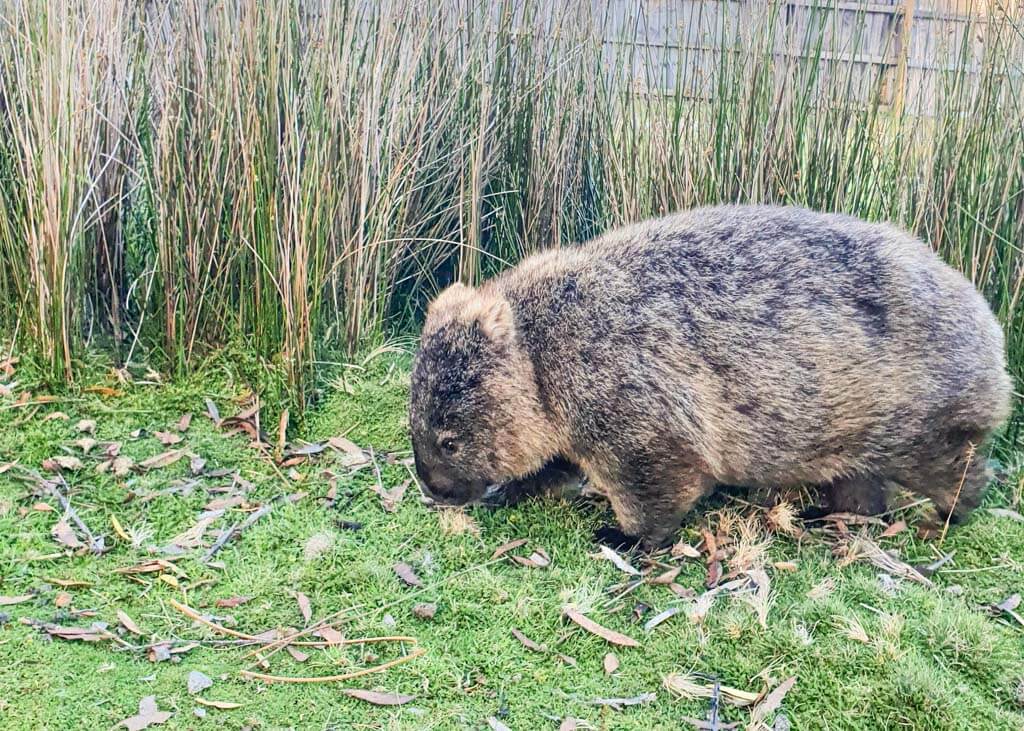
(475, 416)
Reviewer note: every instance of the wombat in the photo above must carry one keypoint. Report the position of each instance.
(769, 347)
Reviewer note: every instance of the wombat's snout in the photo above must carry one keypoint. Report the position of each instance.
(434, 483)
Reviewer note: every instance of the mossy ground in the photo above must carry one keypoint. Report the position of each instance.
(933, 659)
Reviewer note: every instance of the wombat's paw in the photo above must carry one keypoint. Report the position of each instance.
(498, 496)
(613, 537)
(814, 512)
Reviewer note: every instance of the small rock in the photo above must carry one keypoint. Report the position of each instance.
(425, 611)
(198, 682)
(388, 621)
(199, 712)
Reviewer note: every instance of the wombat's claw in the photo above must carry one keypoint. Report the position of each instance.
(613, 537)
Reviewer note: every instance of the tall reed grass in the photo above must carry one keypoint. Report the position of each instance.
(301, 175)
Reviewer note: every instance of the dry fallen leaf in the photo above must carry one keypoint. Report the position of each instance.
(168, 438)
(164, 459)
(304, 607)
(496, 725)
(121, 466)
(86, 426)
(212, 412)
(80, 634)
(389, 499)
(406, 574)
(684, 549)
(594, 628)
(714, 574)
(898, 527)
(102, 391)
(85, 444)
(147, 716)
(619, 703)
(6, 601)
(67, 583)
(506, 547)
(527, 642)
(128, 623)
(62, 462)
(184, 422)
(539, 559)
(620, 563)
(55, 416)
(667, 577)
(662, 617)
(64, 535)
(62, 599)
(222, 705)
(771, 702)
(330, 635)
(611, 663)
(231, 602)
(119, 529)
(377, 698)
(351, 454)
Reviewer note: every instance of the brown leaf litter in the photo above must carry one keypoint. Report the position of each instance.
(377, 698)
(608, 635)
(147, 716)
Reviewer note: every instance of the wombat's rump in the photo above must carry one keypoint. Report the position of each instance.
(747, 345)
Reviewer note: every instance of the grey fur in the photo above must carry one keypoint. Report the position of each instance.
(748, 345)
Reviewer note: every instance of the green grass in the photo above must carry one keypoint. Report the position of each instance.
(935, 659)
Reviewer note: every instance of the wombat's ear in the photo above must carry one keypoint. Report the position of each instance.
(491, 313)
(495, 319)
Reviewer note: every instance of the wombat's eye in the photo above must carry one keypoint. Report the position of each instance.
(449, 447)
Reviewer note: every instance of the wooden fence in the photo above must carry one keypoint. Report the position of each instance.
(900, 52)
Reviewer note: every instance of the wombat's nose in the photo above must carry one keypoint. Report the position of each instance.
(432, 484)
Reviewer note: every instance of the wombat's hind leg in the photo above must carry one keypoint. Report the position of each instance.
(860, 494)
(954, 481)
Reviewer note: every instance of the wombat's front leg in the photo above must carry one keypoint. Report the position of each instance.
(650, 496)
(557, 476)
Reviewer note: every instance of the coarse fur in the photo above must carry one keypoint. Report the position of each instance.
(747, 345)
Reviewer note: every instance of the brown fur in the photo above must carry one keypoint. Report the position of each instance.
(760, 346)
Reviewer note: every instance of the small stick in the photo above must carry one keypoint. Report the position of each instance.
(334, 678)
(193, 614)
(956, 497)
(95, 544)
(234, 531)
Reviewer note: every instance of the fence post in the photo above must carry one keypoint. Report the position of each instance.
(902, 56)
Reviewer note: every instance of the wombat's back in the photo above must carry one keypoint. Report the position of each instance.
(783, 345)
